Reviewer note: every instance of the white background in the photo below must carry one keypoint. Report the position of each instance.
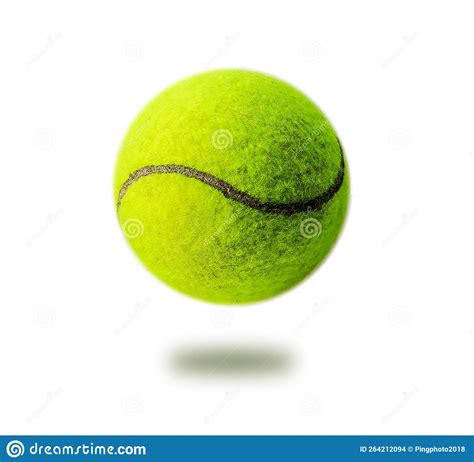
(379, 340)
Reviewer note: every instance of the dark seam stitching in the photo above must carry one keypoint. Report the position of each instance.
(235, 194)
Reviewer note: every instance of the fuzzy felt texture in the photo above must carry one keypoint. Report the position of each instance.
(262, 137)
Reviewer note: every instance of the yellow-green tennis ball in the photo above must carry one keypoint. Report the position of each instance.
(231, 186)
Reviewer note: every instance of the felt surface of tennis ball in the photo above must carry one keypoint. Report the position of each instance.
(231, 186)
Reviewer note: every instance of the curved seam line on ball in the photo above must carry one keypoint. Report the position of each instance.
(235, 194)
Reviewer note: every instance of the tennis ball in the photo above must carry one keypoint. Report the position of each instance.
(231, 186)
